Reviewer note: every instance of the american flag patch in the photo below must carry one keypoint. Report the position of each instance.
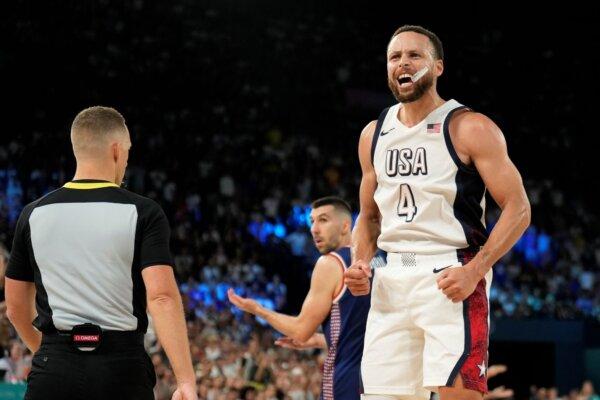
(433, 128)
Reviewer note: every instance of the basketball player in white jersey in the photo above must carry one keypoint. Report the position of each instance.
(426, 164)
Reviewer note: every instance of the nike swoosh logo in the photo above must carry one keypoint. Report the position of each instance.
(436, 270)
(386, 132)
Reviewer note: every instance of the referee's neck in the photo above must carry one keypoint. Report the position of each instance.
(94, 174)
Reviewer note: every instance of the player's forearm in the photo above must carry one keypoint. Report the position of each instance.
(21, 319)
(169, 324)
(364, 237)
(288, 325)
(513, 221)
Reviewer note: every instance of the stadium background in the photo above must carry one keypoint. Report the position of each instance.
(241, 113)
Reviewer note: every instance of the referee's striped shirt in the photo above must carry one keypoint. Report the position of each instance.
(85, 245)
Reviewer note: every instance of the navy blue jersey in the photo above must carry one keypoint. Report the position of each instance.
(344, 331)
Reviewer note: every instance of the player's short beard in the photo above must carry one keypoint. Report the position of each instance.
(329, 247)
(419, 89)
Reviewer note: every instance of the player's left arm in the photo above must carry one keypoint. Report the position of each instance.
(316, 341)
(480, 140)
(486, 146)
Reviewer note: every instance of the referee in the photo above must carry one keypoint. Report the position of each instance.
(94, 257)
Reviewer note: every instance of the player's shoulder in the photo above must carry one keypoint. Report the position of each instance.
(327, 272)
(367, 133)
(471, 122)
(370, 129)
(366, 143)
(328, 262)
(473, 128)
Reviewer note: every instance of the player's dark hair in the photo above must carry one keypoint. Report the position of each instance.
(433, 38)
(337, 202)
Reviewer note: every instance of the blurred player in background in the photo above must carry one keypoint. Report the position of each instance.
(328, 303)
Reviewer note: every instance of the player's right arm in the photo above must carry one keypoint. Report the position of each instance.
(368, 223)
(326, 280)
(367, 228)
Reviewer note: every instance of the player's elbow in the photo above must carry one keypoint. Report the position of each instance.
(525, 213)
(303, 331)
(302, 335)
(368, 220)
(371, 216)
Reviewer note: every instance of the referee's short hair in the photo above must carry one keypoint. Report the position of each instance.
(94, 127)
(338, 203)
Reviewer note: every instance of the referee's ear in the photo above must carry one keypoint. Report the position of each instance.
(115, 151)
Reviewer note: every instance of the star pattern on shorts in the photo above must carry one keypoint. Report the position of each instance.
(482, 368)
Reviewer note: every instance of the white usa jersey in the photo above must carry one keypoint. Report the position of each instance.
(430, 202)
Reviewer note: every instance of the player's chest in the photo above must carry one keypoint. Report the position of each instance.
(415, 156)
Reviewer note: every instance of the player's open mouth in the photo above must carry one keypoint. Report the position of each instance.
(405, 80)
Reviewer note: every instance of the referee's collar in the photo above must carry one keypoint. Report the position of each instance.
(89, 184)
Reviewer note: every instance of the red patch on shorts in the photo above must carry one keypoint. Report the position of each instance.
(473, 370)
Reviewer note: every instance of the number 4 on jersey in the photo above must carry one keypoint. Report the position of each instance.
(406, 204)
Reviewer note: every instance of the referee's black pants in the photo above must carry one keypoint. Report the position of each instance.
(119, 369)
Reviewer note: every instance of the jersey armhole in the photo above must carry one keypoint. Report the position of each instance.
(342, 288)
(377, 132)
(462, 166)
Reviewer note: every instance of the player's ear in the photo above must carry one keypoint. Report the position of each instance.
(347, 225)
(438, 67)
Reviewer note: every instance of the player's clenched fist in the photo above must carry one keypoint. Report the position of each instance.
(458, 283)
(357, 278)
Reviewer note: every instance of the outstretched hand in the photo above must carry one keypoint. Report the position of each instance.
(499, 392)
(247, 305)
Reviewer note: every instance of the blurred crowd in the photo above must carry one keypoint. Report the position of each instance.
(235, 358)
(218, 241)
(553, 270)
(586, 392)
